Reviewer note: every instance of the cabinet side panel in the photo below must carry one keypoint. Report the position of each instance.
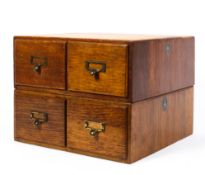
(153, 127)
(161, 66)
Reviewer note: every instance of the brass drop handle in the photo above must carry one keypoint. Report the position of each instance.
(38, 118)
(38, 63)
(94, 127)
(95, 71)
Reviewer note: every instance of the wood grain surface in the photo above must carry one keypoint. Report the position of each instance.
(51, 76)
(53, 131)
(156, 71)
(152, 128)
(112, 82)
(141, 72)
(112, 142)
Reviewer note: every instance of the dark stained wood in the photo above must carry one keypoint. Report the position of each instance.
(73, 93)
(148, 128)
(155, 71)
(111, 82)
(112, 142)
(152, 71)
(152, 128)
(51, 132)
(51, 76)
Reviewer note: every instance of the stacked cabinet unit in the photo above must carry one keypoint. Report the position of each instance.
(119, 97)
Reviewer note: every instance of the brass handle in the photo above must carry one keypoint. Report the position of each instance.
(94, 127)
(38, 63)
(38, 118)
(95, 71)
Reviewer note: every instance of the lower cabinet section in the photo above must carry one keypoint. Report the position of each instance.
(118, 131)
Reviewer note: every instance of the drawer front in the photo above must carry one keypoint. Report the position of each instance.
(97, 127)
(40, 63)
(40, 119)
(98, 68)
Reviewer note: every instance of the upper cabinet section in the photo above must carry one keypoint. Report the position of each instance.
(133, 69)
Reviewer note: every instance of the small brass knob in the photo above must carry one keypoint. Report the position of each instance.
(93, 132)
(94, 73)
(37, 123)
(37, 68)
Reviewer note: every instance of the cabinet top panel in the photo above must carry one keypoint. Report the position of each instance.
(109, 37)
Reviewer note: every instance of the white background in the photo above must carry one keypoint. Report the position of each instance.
(20, 17)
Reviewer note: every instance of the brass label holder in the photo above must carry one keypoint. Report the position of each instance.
(38, 118)
(38, 63)
(95, 71)
(94, 127)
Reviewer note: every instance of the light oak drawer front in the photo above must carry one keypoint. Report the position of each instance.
(97, 127)
(99, 68)
(40, 119)
(40, 63)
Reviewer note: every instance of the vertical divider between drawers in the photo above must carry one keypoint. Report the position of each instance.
(65, 124)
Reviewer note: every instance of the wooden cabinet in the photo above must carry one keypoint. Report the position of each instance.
(119, 97)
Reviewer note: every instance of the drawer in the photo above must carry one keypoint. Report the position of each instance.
(99, 68)
(97, 127)
(42, 61)
(40, 119)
